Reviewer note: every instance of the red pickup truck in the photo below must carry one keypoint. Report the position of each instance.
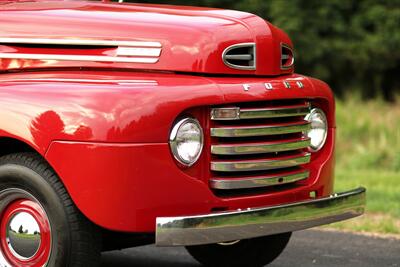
(126, 124)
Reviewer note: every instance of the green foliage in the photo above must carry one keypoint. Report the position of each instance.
(348, 43)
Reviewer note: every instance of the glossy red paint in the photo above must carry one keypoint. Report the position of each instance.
(192, 39)
(110, 106)
(34, 209)
(130, 172)
(125, 187)
(104, 128)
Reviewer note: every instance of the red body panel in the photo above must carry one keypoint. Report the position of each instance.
(193, 39)
(104, 128)
(125, 171)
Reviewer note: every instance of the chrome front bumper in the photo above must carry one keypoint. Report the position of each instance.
(251, 223)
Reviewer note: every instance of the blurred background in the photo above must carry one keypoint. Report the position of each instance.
(354, 45)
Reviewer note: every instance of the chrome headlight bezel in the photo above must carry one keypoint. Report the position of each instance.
(318, 121)
(174, 141)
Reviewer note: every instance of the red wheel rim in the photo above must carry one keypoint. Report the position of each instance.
(18, 211)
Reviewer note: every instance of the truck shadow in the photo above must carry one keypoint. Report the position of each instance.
(148, 256)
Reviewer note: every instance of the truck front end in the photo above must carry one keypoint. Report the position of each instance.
(185, 124)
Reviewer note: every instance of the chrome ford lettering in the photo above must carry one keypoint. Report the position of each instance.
(268, 86)
(300, 84)
(287, 85)
(246, 87)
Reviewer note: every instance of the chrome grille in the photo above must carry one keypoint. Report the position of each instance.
(259, 145)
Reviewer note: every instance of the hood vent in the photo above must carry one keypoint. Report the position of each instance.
(240, 56)
(287, 57)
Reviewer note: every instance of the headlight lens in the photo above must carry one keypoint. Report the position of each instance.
(186, 141)
(319, 128)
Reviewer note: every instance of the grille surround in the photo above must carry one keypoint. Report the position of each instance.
(287, 57)
(262, 147)
(236, 58)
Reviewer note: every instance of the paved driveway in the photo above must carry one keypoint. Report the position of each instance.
(306, 248)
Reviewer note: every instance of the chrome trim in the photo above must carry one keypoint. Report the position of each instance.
(287, 84)
(300, 84)
(260, 165)
(8, 196)
(79, 58)
(173, 143)
(229, 243)
(138, 52)
(265, 113)
(308, 118)
(259, 148)
(233, 66)
(66, 41)
(268, 86)
(249, 131)
(69, 80)
(127, 51)
(257, 222)
(292, 62)
(214, 114)
(256, 182)
(246, 87)
(23, 236)
(239, 57)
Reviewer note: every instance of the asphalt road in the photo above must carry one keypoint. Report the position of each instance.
(307, 248)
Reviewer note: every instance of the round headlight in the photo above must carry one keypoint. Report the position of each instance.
(186, 141)
(319, 129)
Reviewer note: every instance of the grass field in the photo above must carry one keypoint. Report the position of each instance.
(368, 154)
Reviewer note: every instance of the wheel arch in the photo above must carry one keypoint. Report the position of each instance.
(9, 145)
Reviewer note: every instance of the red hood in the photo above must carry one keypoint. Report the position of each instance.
(189, 39)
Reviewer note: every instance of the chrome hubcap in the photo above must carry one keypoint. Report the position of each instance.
(25, 230)
(23, 235)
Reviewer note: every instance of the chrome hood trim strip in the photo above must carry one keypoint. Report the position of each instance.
(68, 41)
(125, 51)
(78, 58)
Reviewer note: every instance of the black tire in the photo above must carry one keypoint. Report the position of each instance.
(76, 242)
(254, 252)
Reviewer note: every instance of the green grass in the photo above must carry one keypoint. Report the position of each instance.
(383, 200)
(368, 135)
(368, 154)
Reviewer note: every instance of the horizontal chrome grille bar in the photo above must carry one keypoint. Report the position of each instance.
(260, 113)
(239, 57)
(274, 112)
(259, 148)
(256, 182)
(248, 131)
(260, 165)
